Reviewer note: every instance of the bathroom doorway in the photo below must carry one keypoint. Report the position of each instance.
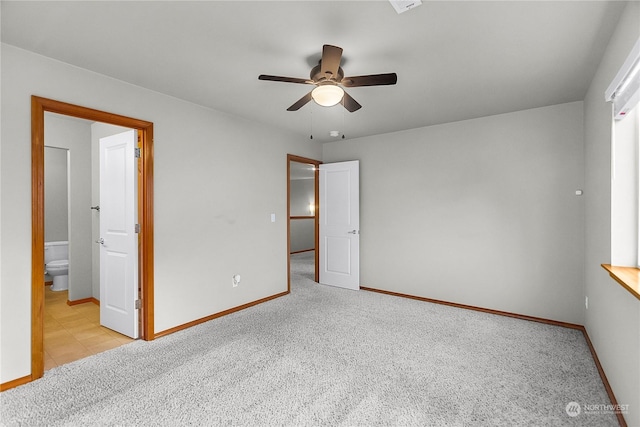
(302, 213)
(74, 324)
(144, 129)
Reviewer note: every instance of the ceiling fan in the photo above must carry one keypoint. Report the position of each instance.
(328, 79)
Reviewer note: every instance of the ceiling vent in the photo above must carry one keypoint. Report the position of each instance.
(404, 5)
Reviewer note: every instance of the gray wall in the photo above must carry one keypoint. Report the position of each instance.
(75, 135)
(303, 235)
(480, 212)
(217, 180)
(302, 194)
(613, 317)
(56, 197)
(302, 230)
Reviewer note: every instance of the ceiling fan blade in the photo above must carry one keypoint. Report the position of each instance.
(331, 57)
(370, 80)
(284, 79)
(300, 102)
(349, 103)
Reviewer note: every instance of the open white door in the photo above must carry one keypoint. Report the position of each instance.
(118, 239)
(340, 224)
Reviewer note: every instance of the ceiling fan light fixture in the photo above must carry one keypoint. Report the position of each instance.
(328, 79)
(327, 95)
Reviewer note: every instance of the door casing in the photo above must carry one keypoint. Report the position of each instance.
(39, 106)
(316, 176)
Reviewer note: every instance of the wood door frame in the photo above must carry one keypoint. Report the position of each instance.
(39, 106)
(316, 178)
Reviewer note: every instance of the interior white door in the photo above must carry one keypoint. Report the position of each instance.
(118, 239)
(340, 224)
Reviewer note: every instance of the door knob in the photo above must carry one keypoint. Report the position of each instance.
(100, 240)
(352, 232)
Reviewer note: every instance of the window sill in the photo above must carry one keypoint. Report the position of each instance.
(628, 277)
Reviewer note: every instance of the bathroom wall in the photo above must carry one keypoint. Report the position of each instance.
(56, 198)
(75, 136)
(302, 230)
(98, 130)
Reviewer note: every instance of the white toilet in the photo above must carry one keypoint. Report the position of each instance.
(56, 259)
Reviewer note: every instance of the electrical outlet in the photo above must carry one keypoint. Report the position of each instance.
(236, 280)
(586, 303)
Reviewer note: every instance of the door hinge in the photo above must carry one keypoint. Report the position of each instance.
(137, 228)
(138, 304)
(137, 151)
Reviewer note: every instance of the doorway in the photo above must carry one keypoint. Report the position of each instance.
(145, 216)
(302, 210)
(74, 323)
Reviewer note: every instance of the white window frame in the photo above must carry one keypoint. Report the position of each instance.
(624, 94)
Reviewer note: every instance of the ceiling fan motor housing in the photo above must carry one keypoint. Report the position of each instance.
(318, 76)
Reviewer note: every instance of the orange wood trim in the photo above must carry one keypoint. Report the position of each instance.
(37, 238)
(317, 223)
(604, 379)
(302, 217)
(303, 250)
(300, 159)
(67, 109)
(220, 314)
(628, 277)
(145, 213)
(15, 383)
(474, 308)
(288, 222)
(316, 163)
(39, 106)
(83, 301)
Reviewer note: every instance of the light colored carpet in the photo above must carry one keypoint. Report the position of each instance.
(327, 356)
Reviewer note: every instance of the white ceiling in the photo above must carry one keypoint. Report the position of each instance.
(455, 60)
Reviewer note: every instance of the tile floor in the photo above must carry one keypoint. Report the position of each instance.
(74, 332)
